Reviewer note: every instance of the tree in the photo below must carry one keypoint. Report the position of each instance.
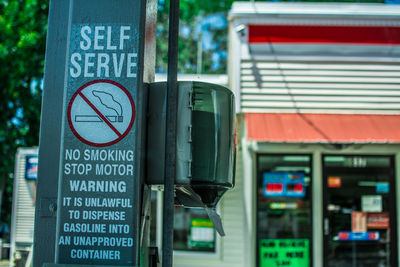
(201, 23)
(23, 25)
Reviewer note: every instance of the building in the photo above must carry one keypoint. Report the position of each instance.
(318, 163)
(23, 209)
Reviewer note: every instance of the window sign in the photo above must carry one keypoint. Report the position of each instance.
(356, 162)
(284, 252)
(382, 188)
(351, 236)
(334, 182)
(358, 222)
(371, 203)
(283, 206)
(193, 230)
(284, 184)
(378, 220)
(31, 167)
(201, 233)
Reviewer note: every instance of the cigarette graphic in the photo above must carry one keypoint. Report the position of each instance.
(95, 118)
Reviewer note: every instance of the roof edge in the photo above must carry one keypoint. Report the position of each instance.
(359, 10)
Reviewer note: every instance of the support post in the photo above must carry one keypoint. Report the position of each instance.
(170, 149)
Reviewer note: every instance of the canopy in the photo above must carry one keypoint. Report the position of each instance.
(322, 128)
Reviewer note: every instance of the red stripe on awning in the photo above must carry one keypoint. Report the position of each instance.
(324, 34)
(323, 128)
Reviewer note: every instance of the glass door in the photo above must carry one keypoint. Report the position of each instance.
(284, 211)
(359, 211)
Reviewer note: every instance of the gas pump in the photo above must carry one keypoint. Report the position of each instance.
(103, 137)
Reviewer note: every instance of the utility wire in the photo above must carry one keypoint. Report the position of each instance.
(293, 100)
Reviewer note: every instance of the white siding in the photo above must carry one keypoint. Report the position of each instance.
(24, 207)
(320, 85)
(372, 13)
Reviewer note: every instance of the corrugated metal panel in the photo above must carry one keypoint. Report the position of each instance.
(323, 128)
(320, 85)
(368, 11)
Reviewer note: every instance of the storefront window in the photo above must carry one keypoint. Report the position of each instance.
(284, 210)
(193, 230)
(359, 220)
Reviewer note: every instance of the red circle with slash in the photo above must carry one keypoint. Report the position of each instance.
(96, 128)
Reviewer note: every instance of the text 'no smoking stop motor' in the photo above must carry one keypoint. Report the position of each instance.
(205, 142)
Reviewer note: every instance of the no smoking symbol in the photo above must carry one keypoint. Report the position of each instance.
(101, 113)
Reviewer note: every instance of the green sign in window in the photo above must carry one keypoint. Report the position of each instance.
(284, 252)
(202, 233)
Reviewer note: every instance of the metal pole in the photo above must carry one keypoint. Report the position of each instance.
(199, 54)
(170, 144)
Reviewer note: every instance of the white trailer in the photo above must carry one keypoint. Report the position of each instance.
(23, 207)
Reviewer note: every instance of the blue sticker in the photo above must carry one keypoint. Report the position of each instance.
(31, 167)
(382, 188)
(351, 236)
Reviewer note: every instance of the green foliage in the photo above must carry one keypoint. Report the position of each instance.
(192, 12)
(22, 45)
(192, 8)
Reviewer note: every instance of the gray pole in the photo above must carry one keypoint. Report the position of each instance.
(170, 144)
(199, 54)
